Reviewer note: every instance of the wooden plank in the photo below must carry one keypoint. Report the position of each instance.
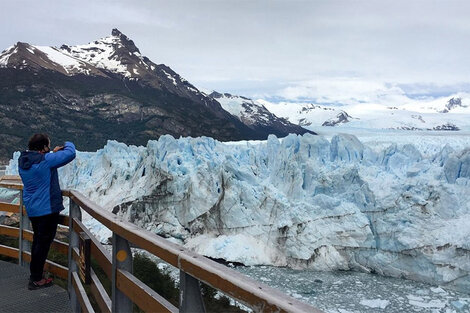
(63, 220)
(9, 231)
(9, 251)
(60, 246)
(56, 269)
(81, 294)
(51, 267)
(99, 293)
(9, 207)
(101, 255)
(142, 295)
(10, 177)
(28, 235)
(11, 181)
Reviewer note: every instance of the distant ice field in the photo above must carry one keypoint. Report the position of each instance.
(427, 142)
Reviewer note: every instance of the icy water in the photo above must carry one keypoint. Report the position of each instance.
(348, 292)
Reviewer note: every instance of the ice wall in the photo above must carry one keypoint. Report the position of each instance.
(303, 201)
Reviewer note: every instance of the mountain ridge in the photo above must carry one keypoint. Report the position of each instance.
(450, 113)
(102, 90)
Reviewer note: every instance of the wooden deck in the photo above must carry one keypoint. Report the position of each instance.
(15, 296)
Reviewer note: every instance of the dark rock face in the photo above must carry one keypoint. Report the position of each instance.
(258, 118)
(132, 102)
(341, 118)
(448, 126)
(451, 104)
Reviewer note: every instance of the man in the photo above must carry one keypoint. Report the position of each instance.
(42, 198)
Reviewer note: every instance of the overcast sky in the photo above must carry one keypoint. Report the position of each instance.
(273, 49)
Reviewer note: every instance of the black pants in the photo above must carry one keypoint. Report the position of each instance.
(44, 228)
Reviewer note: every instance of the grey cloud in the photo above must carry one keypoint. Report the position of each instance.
(228, 44)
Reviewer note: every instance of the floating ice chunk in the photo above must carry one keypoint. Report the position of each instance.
(438, 290)
(459, 305)
(432, 304)
(375, 303)
(239, 248)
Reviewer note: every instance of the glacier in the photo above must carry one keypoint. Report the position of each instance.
(307, 202)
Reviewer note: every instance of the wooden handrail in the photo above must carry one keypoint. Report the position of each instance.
(250, 292)
(193, 267)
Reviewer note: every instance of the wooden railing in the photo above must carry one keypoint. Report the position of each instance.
(126, 288)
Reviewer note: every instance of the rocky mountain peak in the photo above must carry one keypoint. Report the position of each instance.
(452, 104)
(117, 33)
(10, 55)
(124, 41)
(341, 118)
(218, 95)
(215, 95)
(25, 56)
(254, 114)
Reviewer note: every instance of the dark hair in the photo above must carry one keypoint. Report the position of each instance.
(38, 142)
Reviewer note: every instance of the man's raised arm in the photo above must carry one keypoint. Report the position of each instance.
(61, 157)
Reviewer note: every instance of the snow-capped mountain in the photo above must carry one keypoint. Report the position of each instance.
(308, 114)
(106, 57)
(452, 104)
(25, 56)
(255, 115)
(102, 90)
(437, 114)
(397, 206)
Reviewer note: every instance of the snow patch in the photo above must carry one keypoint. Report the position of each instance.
(56, 56)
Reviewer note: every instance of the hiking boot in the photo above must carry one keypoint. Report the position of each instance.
(43, 283)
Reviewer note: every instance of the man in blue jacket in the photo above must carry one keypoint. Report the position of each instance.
(42, 198)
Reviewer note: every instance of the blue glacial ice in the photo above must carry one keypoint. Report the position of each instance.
(301, 201)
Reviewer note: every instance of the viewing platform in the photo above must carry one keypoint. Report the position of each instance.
(15, 297)
(85, 290)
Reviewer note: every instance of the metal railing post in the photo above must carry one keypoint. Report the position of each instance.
(190, 294)
(74, 212)
(122, 259)
(24, 245)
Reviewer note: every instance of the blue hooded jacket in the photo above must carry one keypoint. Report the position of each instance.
(41, 190)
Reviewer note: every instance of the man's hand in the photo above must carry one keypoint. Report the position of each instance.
(58, 148)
